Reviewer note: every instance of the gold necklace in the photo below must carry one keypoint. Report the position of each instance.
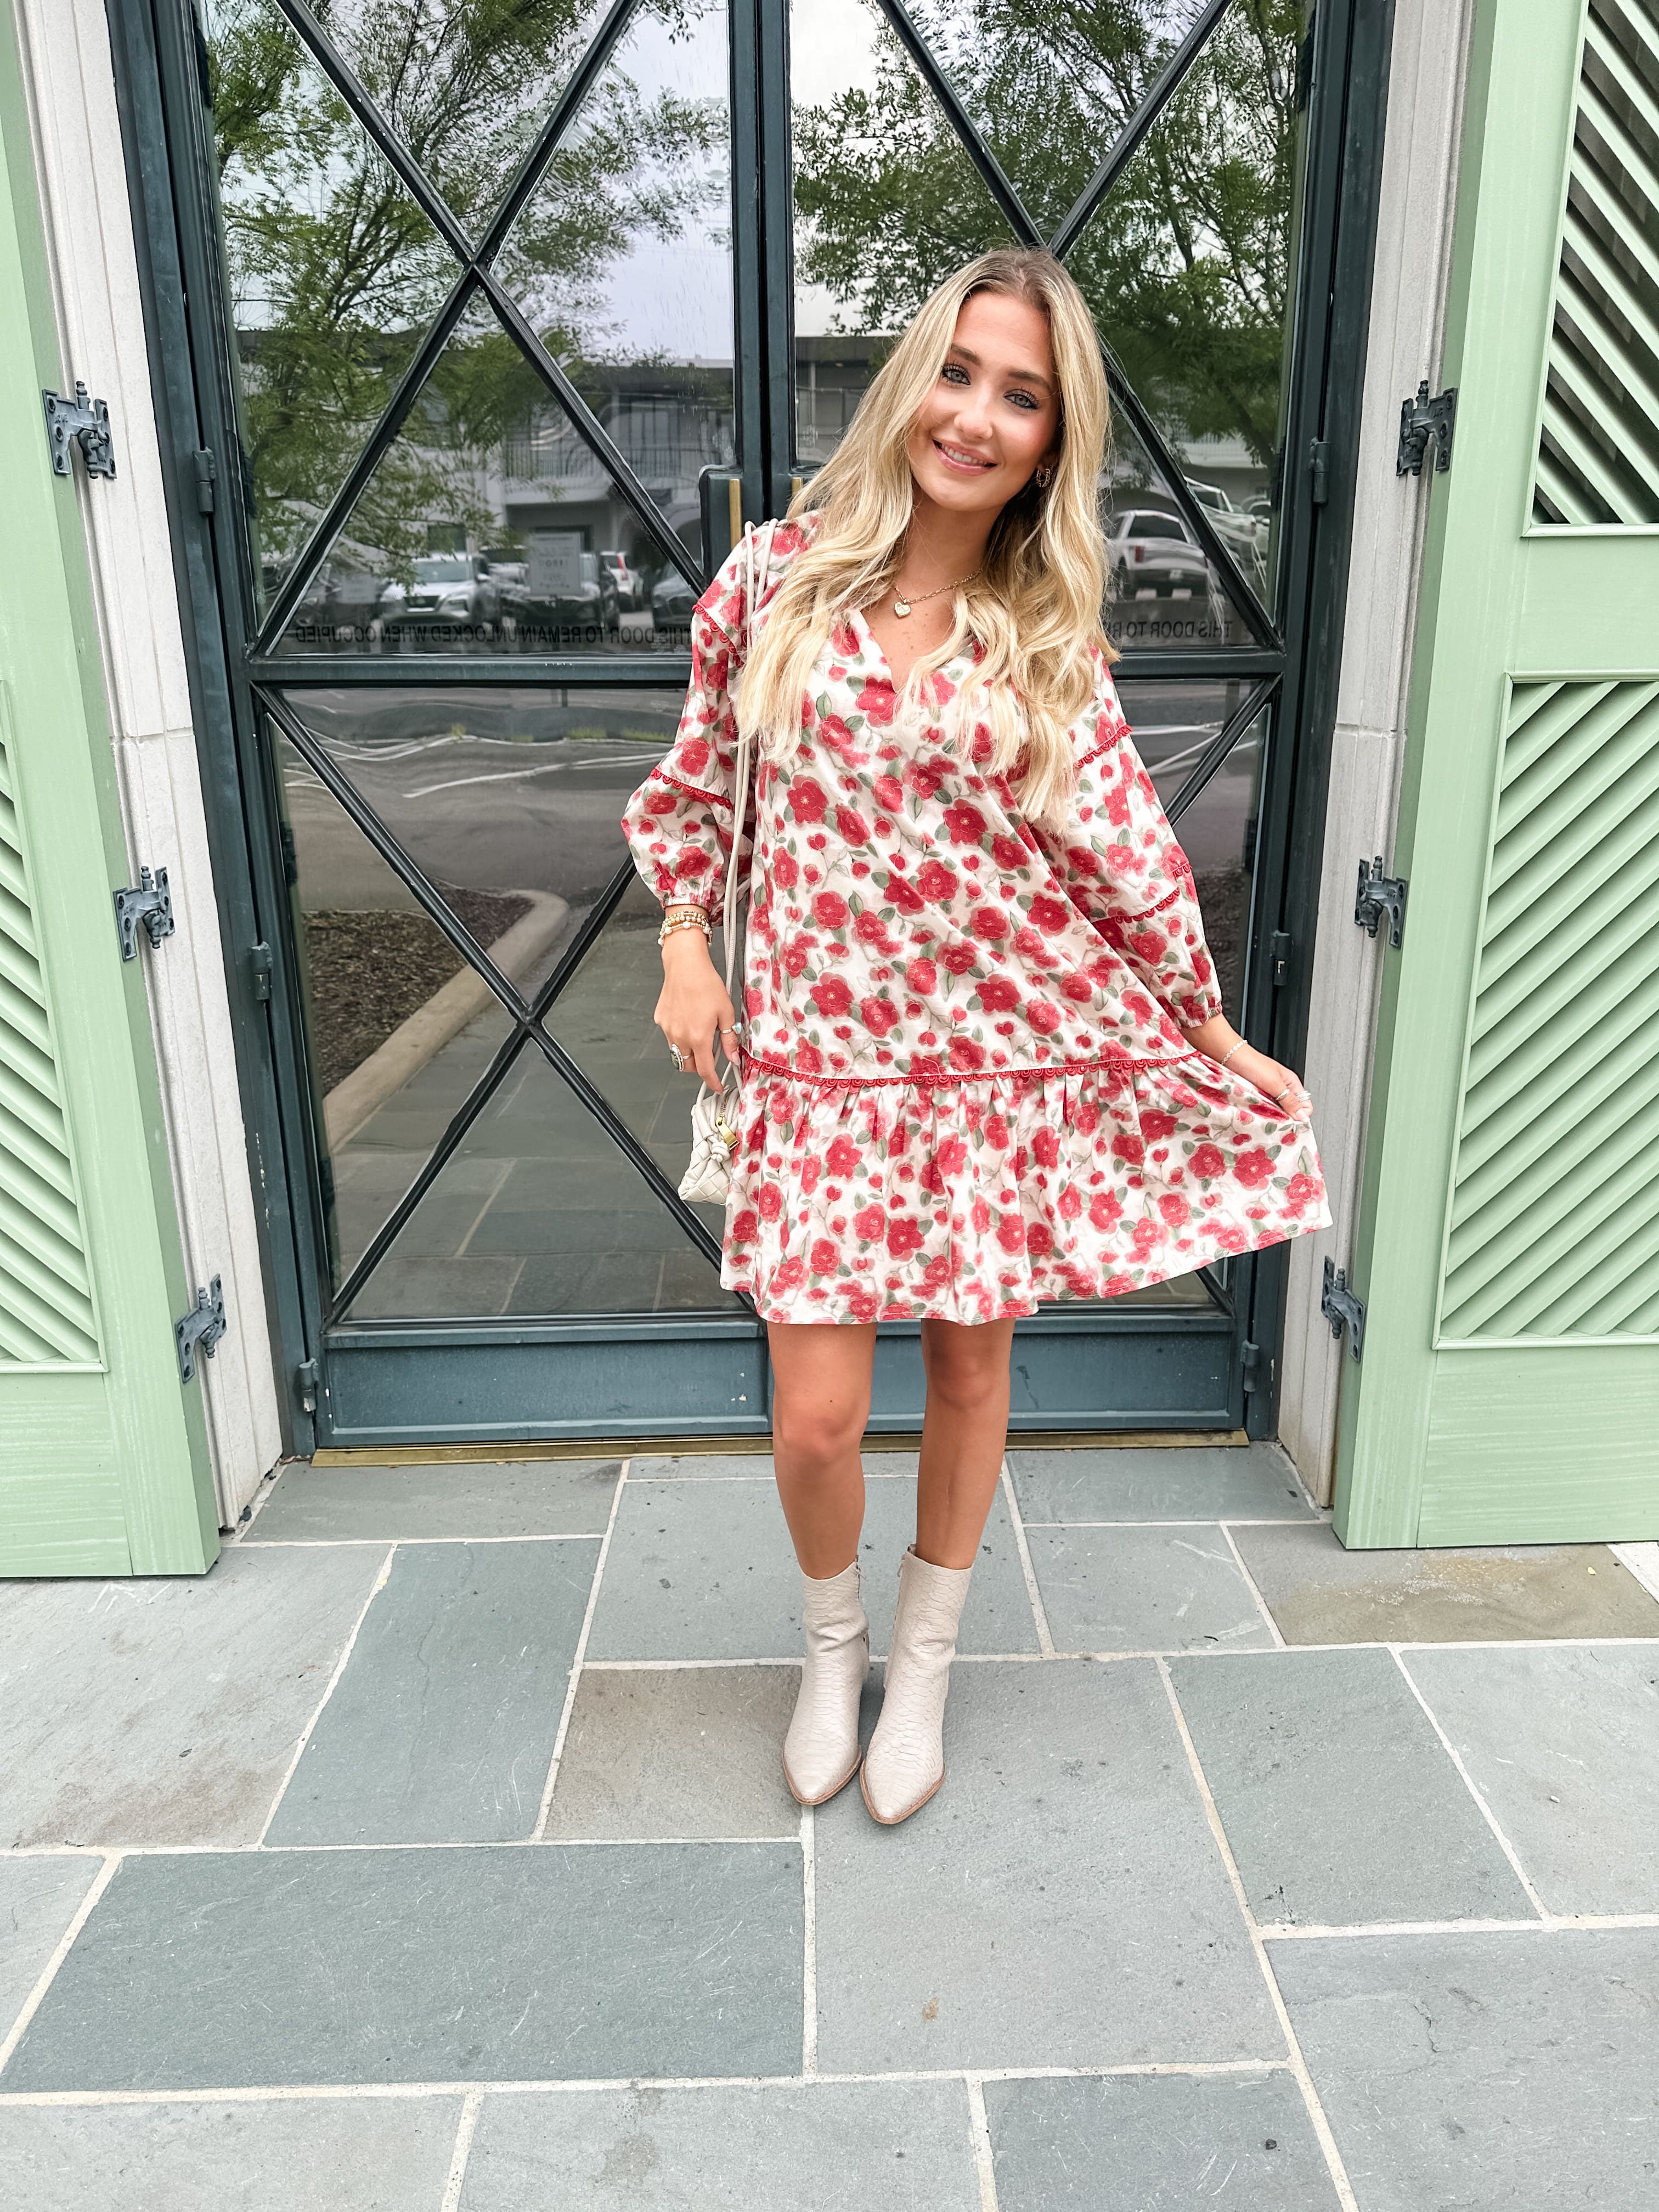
(902, 606)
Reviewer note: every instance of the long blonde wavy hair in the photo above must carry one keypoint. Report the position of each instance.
(1036, 606)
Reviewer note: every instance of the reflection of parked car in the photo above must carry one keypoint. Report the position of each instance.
(628, 583)
(1153, 550)
(347, 598)
(1237, 530)
(450, 591)
(672, 601)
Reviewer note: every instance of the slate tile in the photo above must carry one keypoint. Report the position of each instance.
(705, 1570)
(163, 1711)
(1179, 1482)
(684, 1750)
(1563, 1743)
(1502, 2070)
(441, 1729)
(1145, 1589)
(212, 1969)
(377, 1504)
(1338, 1798)
(322, 2154)
(39, 1898)
(1060, 1902)
(880, 2147)
(1319, 1593)
(1155, 2141)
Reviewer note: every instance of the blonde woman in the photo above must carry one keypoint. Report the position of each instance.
(984, 1060)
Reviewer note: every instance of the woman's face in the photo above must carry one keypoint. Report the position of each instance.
(994, 412)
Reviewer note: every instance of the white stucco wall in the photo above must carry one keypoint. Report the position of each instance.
(88, 222)
(1408, 293)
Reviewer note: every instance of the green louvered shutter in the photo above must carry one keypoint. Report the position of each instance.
(1508, 1251)
(103, 1448)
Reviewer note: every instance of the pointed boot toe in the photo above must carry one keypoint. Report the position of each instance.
(904, 1764)
(820, 1751)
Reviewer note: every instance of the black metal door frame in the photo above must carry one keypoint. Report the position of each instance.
(357, 1382)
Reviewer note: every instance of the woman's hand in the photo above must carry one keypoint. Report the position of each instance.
(1218, 1039)
(694, 1005)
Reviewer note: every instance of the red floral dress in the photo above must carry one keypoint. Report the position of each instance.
(965, 1088)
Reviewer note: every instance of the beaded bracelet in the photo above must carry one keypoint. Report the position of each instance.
(1226, 1056)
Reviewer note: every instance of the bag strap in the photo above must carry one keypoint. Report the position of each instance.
(751, 539)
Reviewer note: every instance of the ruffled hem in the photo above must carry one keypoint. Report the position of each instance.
(975, 1200)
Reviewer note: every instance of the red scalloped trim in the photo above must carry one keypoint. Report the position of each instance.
(1120, 1061)
(715, 797)
(1129, 921)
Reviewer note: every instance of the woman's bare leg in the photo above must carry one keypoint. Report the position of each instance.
(820, 1406)
(964, 1432)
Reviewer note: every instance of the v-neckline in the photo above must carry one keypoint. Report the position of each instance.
(880, 650)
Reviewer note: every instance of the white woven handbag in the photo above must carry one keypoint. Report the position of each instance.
(714, 1113)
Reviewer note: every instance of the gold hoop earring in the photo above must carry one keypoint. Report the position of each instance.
(1045, 477)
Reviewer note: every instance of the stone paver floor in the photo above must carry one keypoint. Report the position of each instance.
(432, 1854)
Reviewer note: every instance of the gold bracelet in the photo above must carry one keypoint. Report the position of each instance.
(688, 921)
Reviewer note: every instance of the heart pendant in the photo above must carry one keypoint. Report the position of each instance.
(901, 606)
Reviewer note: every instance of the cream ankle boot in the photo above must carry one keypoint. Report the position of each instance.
(905, 1762)
(820, 1751)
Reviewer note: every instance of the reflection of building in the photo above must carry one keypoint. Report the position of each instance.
(669, 421)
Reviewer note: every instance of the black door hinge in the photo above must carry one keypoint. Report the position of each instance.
(204, 1325)
(150, 904)
(259, 968)
(86, 422)
(1379, 896)
(1258, 1370)
(1279, 952)
(1421, 419)
(1319, 470)
(207, 476)
(1343, 1308)
(306, 1376)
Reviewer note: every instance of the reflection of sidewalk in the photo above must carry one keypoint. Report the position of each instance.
(432, 1852)
(519, 953)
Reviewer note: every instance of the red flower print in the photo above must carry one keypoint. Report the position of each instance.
(1009, 854)
(922, 977)
(1052, 915)
(1045, 1147)
(789, 1274)
(1208, 1161)
(925, 777)
(842, 1158)
(965, 824)
(960, 957)
(1128, 1149)
(1043, 1016)
(1156, 1127)
(855, 830)
(989, 923)
(876, 701)
(996, 1132)
(1302, 1191)
(807, 800)
(808, 1059)
(879, 1016)
(903, 1236)
(823, 1257)
(937, 881)
(744, 1226)
(1175, 1209)
(998, 994)
(904, 896)
(869, 1223)
(768, 1201)
(1253, 1168)
(1010, 1233)
(889, 792)
(967, 1058)
(831, 910)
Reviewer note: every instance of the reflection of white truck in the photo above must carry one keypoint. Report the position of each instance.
(1242, 533)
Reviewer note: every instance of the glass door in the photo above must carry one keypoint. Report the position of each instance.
(519, 313)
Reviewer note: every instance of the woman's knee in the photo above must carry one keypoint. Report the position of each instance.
(815, 1429)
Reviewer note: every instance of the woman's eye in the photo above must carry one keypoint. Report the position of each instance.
(1023, 398)
(956, 373)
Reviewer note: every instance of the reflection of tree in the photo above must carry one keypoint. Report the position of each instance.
(336, 273)
(1186, 266)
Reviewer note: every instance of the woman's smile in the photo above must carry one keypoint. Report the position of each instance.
(958, 457)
